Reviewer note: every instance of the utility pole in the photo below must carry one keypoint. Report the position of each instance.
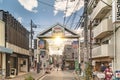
(85, 32)
(90, 48)
(32, 25)
(31, 37)
(85, 28)
(86, 54)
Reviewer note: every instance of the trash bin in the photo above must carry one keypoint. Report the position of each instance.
(12, 72)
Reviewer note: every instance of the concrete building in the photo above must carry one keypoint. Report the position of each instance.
(13, 36)
(100, 20)
(70, 55)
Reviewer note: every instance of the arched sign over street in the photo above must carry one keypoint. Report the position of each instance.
(58, 30)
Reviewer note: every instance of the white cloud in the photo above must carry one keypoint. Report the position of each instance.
(60, 5)
(20, 19)
(29, 4)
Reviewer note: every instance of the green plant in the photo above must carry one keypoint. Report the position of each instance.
(88, 71)
(29, 77)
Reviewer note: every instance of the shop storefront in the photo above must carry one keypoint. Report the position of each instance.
(3, 52)
(17, 64)
(22, 65)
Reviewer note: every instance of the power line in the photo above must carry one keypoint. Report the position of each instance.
(73, 12)
(65, 13)
(106, 3)
(80, 22)
(74, 16)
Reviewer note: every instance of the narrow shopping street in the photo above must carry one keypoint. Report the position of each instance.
(59, 75)
(80, 37)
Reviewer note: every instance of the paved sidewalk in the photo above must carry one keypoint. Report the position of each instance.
(78, 77)
(34, 74)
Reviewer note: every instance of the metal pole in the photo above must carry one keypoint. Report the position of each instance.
(31, 37)
(90, 48)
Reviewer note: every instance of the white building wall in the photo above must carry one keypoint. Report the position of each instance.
(118, 49)
(2, 33)
(2, 43)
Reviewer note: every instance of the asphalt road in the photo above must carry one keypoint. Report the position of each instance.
(59, 75)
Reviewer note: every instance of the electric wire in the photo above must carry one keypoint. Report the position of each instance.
(65, 13)
(73, 19)
(45, 3)
(72, 12)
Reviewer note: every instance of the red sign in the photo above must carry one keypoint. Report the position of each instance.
(58, 31)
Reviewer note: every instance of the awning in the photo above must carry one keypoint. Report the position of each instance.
(5, 50)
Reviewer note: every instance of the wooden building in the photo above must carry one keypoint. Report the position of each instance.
(17, 39)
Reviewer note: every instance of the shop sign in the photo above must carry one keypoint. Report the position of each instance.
(75, 44)
(57, 31)
(116, 11)
(42, 44)
(76, 65)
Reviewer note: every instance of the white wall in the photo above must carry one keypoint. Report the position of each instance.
(2, 33)
(118, 49)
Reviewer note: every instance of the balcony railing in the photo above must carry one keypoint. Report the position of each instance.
(101, 9)
(102, 51)
(103, 29)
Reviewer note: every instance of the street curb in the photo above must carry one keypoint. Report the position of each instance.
(41, 76)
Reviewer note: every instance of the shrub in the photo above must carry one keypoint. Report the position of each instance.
(29, 77)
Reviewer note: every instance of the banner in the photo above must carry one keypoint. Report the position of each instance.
(42, 44)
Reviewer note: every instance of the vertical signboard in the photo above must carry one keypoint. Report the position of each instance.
(115, 11)
(76, 65)
(42, 44)
(75, 44)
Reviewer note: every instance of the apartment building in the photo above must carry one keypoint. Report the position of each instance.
(16, 38)
(100, 20)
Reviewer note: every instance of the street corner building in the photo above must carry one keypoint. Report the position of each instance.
(14, 46)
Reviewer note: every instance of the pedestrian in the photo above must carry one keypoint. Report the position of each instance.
(62, 67)
(103, 67)
(57, 65)
(108, 73)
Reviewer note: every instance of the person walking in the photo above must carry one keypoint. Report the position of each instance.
(57, 65)
(108, 73)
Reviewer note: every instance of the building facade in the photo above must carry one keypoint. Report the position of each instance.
(43, 53)
(69, 56)
(100, 21)
(16, 39)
